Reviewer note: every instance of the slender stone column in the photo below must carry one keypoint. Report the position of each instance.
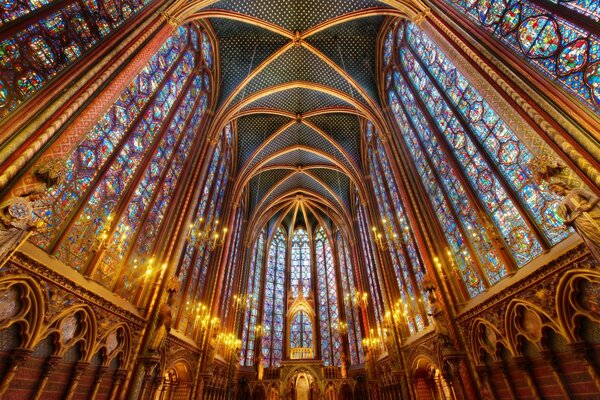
(78, 370)
(16, 360)
(50, 366)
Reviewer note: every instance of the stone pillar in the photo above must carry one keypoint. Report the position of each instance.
(16, 359)
(99, 376)
(525, 365)
(78, 370)
(118, 379)
(50, 365)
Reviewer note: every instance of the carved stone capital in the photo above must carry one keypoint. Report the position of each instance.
(422, 16)
(171, 20)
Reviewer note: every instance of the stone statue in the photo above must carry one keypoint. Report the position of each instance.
(343, 368)
(440, 321)
(165, 317)
(579, 208)
(261, 367)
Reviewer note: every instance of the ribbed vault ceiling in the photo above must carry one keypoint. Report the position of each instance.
(298, 77)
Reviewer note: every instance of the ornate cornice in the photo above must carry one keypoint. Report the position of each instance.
(31, 266)
(576, 256)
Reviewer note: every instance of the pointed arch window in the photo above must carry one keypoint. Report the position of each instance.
(193, 268)
(374, 289)
(300, 262)
(232, 266)
(473, 165)
(42, 48)
(122, 177)
(352, 314)
(255, 270)
(407, 264)
(329, 315)
(301, 331)
(273, 317)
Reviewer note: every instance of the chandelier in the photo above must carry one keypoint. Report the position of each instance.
(206, 234)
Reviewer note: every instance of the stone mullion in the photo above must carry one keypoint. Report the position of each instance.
(460, 174)
(314, 266)
(360, 277)
(355, 320)
(273, 301)
(128, 194)
(68, 222)
(512, 195)
(235, 277)
(328, 299)
(569, 140)
(398, 231)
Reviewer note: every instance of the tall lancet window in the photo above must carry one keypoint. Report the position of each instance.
(255, 269)
(192, 270)
(301, 331)
(555, 37)
(406, 261)
(474, 167)
(352, 312)
(329, 315)
(121, 178)
(300, 263)
(273, 318)
(374, 289)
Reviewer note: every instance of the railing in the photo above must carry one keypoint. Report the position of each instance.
(301, 353)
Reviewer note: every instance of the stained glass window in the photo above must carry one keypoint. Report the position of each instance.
(329, 315)
(197, 254)
(352, 314)
(231, 268)
(462, 148)
(300, 262)
(368, 252)
(552, 39)
(254, 292)
(406, 261)
(273, 314)
(46, 46)
(122, 177)
(301, 332)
